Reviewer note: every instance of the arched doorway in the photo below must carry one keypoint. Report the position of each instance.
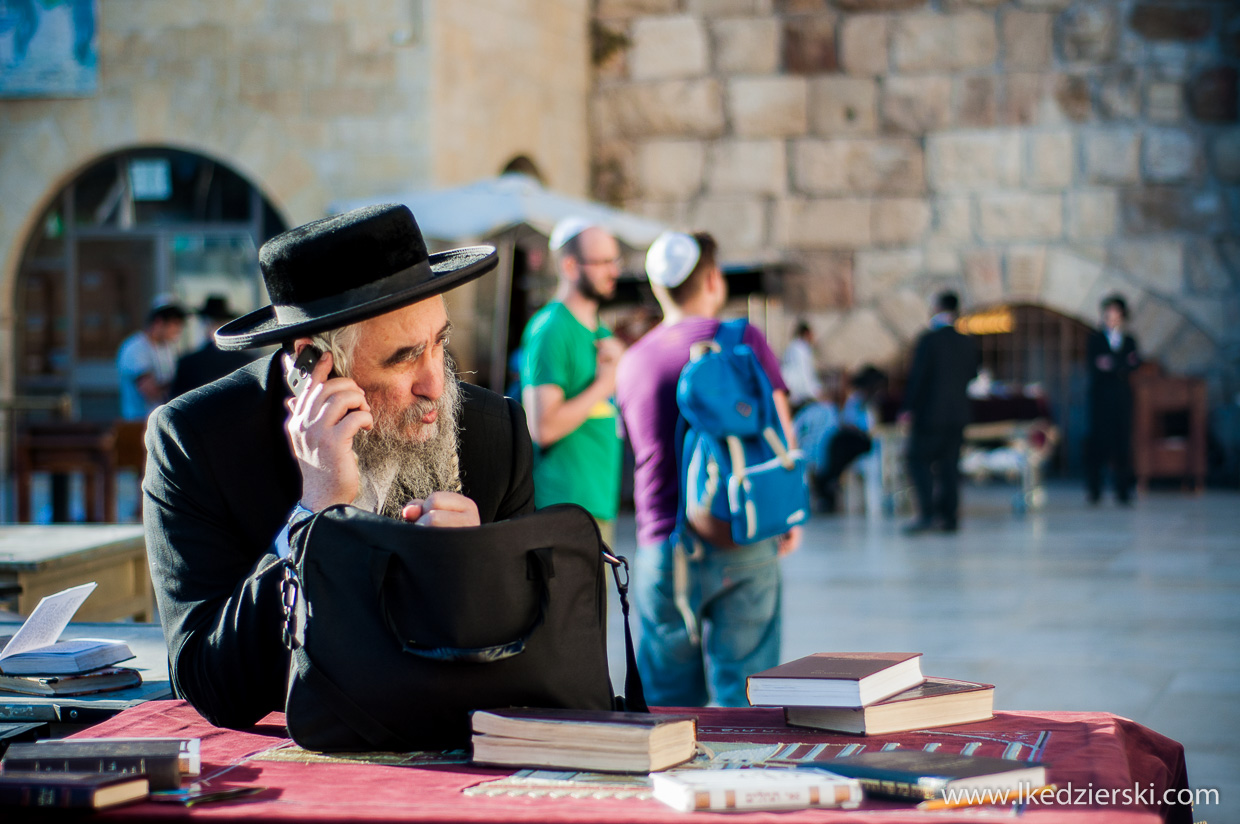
(1029, 350)
(132, 225)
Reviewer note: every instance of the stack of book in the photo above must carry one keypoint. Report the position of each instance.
(34, 662)
(94, 773)
(868, 693)
(597, 740)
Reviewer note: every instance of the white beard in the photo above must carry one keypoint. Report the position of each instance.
(427, 461)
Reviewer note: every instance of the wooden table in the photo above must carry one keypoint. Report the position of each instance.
(44, 560)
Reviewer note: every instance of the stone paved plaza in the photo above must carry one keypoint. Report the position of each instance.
(1131, 611)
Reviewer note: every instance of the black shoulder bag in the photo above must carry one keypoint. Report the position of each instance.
(398, 631)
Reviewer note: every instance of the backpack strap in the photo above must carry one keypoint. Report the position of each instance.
(731, 333)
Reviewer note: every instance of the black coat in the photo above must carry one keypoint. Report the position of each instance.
(1110, 390)
(206, 364)
(220, 482)
(943, 364)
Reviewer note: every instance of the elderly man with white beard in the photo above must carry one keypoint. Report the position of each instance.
(380, 422)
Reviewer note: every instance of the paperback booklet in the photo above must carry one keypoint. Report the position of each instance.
(726, 790)
(70, 790)
(34, 650)
(835, 679)
(104, 679)
(938, 702)
(583, 739)
(158, 759)
(922, 775)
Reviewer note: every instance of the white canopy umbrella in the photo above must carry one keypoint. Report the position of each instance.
(488, 207)
(491, 209)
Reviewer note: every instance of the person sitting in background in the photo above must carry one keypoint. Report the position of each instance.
(833, 439)
(209, 362)
(147, 359)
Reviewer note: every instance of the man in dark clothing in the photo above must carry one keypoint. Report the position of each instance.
(209, 362)
(382, 424)
(937, 402)
(1112, 356)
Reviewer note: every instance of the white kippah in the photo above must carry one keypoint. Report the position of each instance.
(671, 258)
(567, 229)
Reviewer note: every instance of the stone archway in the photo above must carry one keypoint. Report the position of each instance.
(127, 226)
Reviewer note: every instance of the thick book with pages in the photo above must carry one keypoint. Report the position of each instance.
(158, 759)
(583, 739)
(35, 650)
(835, 679)
(50, 791)
(938, 702)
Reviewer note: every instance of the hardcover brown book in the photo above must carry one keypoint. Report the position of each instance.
(158, 760)
(835, 679)
(583, 739)
(95, 791)
(105, 679)
(937, 702)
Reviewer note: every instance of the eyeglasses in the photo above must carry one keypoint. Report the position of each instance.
(609, 262)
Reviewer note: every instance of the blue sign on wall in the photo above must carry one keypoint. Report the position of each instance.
(48, 48)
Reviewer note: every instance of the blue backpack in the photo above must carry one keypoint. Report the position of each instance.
(739, 482)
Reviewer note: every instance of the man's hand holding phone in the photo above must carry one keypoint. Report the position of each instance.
(325, 415)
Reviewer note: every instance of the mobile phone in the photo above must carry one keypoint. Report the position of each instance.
(298, 375)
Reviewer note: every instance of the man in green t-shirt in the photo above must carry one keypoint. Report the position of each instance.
(568, 377)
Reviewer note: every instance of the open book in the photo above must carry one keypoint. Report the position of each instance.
(34, 648)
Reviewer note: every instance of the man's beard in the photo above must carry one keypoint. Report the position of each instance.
(424, 458)
(587, 289)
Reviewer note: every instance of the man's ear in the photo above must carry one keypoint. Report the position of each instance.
(571, 267)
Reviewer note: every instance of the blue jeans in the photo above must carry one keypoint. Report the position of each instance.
(734, 595)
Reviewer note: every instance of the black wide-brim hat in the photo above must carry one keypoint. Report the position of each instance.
(347, 268)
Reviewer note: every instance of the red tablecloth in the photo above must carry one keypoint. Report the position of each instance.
(1085, 751)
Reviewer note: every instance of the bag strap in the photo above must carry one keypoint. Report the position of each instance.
(731, 334)
(634, 698)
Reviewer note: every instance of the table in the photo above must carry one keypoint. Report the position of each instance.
(45, 559)
(1082, 749)
(70, 713)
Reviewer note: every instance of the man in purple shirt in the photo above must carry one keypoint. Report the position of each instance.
(709, 614)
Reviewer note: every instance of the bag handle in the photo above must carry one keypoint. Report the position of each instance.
(538, 561)
(634, 698)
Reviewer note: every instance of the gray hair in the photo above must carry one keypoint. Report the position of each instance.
(341, 343)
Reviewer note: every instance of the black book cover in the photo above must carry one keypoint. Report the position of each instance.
(159, 761)
(68, 790)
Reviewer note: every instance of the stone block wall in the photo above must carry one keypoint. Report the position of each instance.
(1041, 151)
(311, 101)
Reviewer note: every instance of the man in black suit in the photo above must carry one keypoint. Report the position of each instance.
(208, 362)
(382, 424)
(936, 402)
(1112, 356)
